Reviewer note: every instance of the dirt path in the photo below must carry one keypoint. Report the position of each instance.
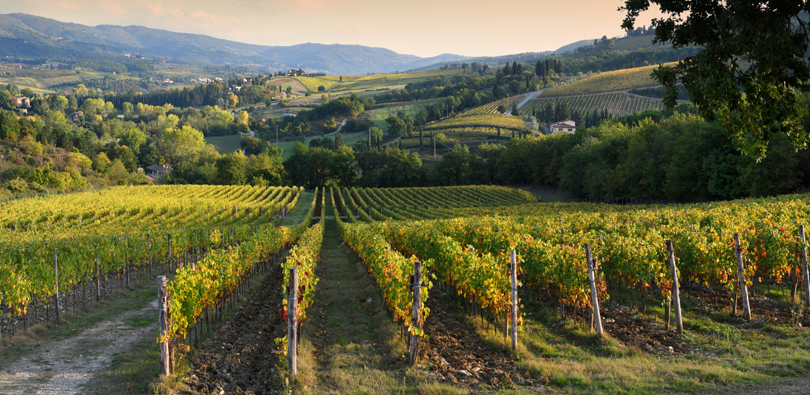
(63, 366)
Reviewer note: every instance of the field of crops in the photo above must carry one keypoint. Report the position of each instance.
(379, 114)
(617, 103)
(540, 292)
(381, 80)
(478, 120)
(127, 228)
(608, 81)
(492, 108)
(549, 239)
(312, 83)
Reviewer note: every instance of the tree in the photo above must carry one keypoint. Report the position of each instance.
(118, 173)
(339, 141)
(751, 71)
(455, 165)
(127, 107)
(341, 166)
(242, 118)
(231, 170)
(265, 169)
(501, 109)
(515, 110)
(396, 125)
(178, 144)
(133, 138)
(5, 99)
(376, 136)
(102, 163)
(321, 88)
(233, 100)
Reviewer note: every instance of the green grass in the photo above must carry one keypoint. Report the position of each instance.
(230, 143)
(296, 215)
(352, 347)
(379, 115)
(348, 139)
(723, 356)
(225, 144)
(130, 372)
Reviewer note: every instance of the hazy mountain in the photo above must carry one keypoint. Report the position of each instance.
(54, 39)
(492, 61)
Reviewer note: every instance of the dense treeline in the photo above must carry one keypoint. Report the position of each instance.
(678, 158)
(656, 155)
(225, 94)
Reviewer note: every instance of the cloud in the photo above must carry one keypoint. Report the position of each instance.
(200, 14)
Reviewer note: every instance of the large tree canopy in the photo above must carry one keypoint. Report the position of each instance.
(752, 71)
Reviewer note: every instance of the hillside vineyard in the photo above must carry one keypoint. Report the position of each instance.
(122, 231)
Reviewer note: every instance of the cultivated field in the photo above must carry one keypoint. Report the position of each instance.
(509, 294)
(617, 103)
(609, 81)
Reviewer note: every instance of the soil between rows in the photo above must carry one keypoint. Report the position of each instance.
(242, 356)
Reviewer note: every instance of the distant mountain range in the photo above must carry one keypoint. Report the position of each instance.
(23, 35)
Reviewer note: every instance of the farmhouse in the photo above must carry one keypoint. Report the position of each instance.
(567, 126)
(20, 102)
(156, 171)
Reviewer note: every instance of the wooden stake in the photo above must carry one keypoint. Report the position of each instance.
(513, 276)
(806, 285)
(149, 245)
(676, 293)
(741, 268)
(98, 281)
(292, 321)
(163, 308)
(169, 260)
(594, 297)
(56, 278)
(417, 305)
(126, 259)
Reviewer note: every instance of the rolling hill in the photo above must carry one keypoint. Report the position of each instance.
(29, 36)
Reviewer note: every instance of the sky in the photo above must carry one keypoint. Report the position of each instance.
(418, 27)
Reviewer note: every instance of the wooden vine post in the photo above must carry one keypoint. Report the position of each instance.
(805, 271)
(513, 277)
(126, 259)
(169, 260)
(163, 308)
(741, 270)
(594, 297)
(676, 293)
(149, 246)
(417, 306)
(292, 321)
(56, 278)
(98, 281)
